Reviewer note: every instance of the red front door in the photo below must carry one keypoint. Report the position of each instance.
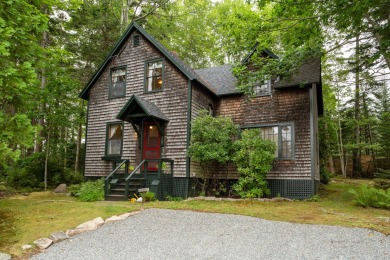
(151, 145)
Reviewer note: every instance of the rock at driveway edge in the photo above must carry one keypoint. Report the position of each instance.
(58, 236)
(43, 243)
(4, 256)
(112, 219)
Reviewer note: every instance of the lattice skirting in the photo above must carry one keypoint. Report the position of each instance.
(292, 189)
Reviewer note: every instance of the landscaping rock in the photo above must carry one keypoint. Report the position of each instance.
(209, 198)
(199, 198)
(61, 188)
(112, 219)
(58, 236)
(280, 199)
(124, 216)
(189, 199)
(26, 247)
(99, 221)
(43, 243)
(4, 256)
(135, 212)
(87, 226)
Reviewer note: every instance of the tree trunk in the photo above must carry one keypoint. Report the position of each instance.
(331, 164)
(356, 154)
(78, 146)
(46, 158)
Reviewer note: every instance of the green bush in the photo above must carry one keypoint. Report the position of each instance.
(324, 175)
(371, 197)
(90, 190)
(148, 196)
(170, 198)
(253, 159)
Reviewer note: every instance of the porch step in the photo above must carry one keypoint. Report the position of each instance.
(117, 187)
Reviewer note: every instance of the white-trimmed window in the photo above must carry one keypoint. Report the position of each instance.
(114, 139)
(117, 82)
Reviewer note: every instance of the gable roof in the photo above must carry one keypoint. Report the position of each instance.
(185, 69)
(135, 104)
(220, 78)
(265, 51)
(308, 73)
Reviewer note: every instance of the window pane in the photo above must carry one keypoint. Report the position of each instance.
(286, 141)
(262, 89)
(114, 141)
(118, 82)
(154, 76)
(271, 133)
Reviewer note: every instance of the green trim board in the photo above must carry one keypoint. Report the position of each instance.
(279, 125)
(189, 118)
(110, 84)
(116, 49)
(254, 48)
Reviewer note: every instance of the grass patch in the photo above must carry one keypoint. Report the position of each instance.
(26, 218)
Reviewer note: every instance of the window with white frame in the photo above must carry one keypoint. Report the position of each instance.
(114, 139)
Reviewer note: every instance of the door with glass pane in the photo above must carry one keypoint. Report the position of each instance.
(151, 148)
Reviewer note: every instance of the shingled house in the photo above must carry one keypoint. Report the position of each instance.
(141, 102)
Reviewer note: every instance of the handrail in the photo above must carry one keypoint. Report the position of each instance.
(136, 169)
(107, 179)
(145, 164)
(116, 169)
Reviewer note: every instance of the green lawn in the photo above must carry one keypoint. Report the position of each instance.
(26, 218)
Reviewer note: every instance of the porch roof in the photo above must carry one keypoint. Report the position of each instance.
(137, 108)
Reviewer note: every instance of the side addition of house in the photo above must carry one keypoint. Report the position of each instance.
(141, 102)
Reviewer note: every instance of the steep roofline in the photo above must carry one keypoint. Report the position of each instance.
(254, 48)
(84, 93)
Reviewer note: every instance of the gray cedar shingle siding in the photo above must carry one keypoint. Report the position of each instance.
(172, 102)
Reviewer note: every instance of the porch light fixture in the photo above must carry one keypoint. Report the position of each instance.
(151, 127)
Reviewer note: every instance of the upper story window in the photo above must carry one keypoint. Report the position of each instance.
(117, 82)
(262, 89)
(114, 139)
(154, 75)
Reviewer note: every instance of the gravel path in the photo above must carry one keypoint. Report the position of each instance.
(170, 234)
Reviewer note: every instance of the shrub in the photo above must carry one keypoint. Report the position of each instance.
(170, 198)
(253, 159)
(371, 197)
(91, 190)
(148, 196)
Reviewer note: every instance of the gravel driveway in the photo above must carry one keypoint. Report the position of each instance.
(170, 234)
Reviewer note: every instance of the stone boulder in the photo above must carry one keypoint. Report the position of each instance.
(4, 256)
(112, 219)
(99, 221)
(61, 188)
(26, 247)
(84, 227)
(58, 236)
(43, 243)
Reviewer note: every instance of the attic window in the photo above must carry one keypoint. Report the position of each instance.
(117, 82)
(262, 89)
(136, 40)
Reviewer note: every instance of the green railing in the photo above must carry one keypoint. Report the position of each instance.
(143, 170)
(108, 179)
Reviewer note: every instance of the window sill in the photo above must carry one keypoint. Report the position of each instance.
(112, 158)
(153, 91)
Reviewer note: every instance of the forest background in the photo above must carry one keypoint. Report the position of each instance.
(49, 49)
